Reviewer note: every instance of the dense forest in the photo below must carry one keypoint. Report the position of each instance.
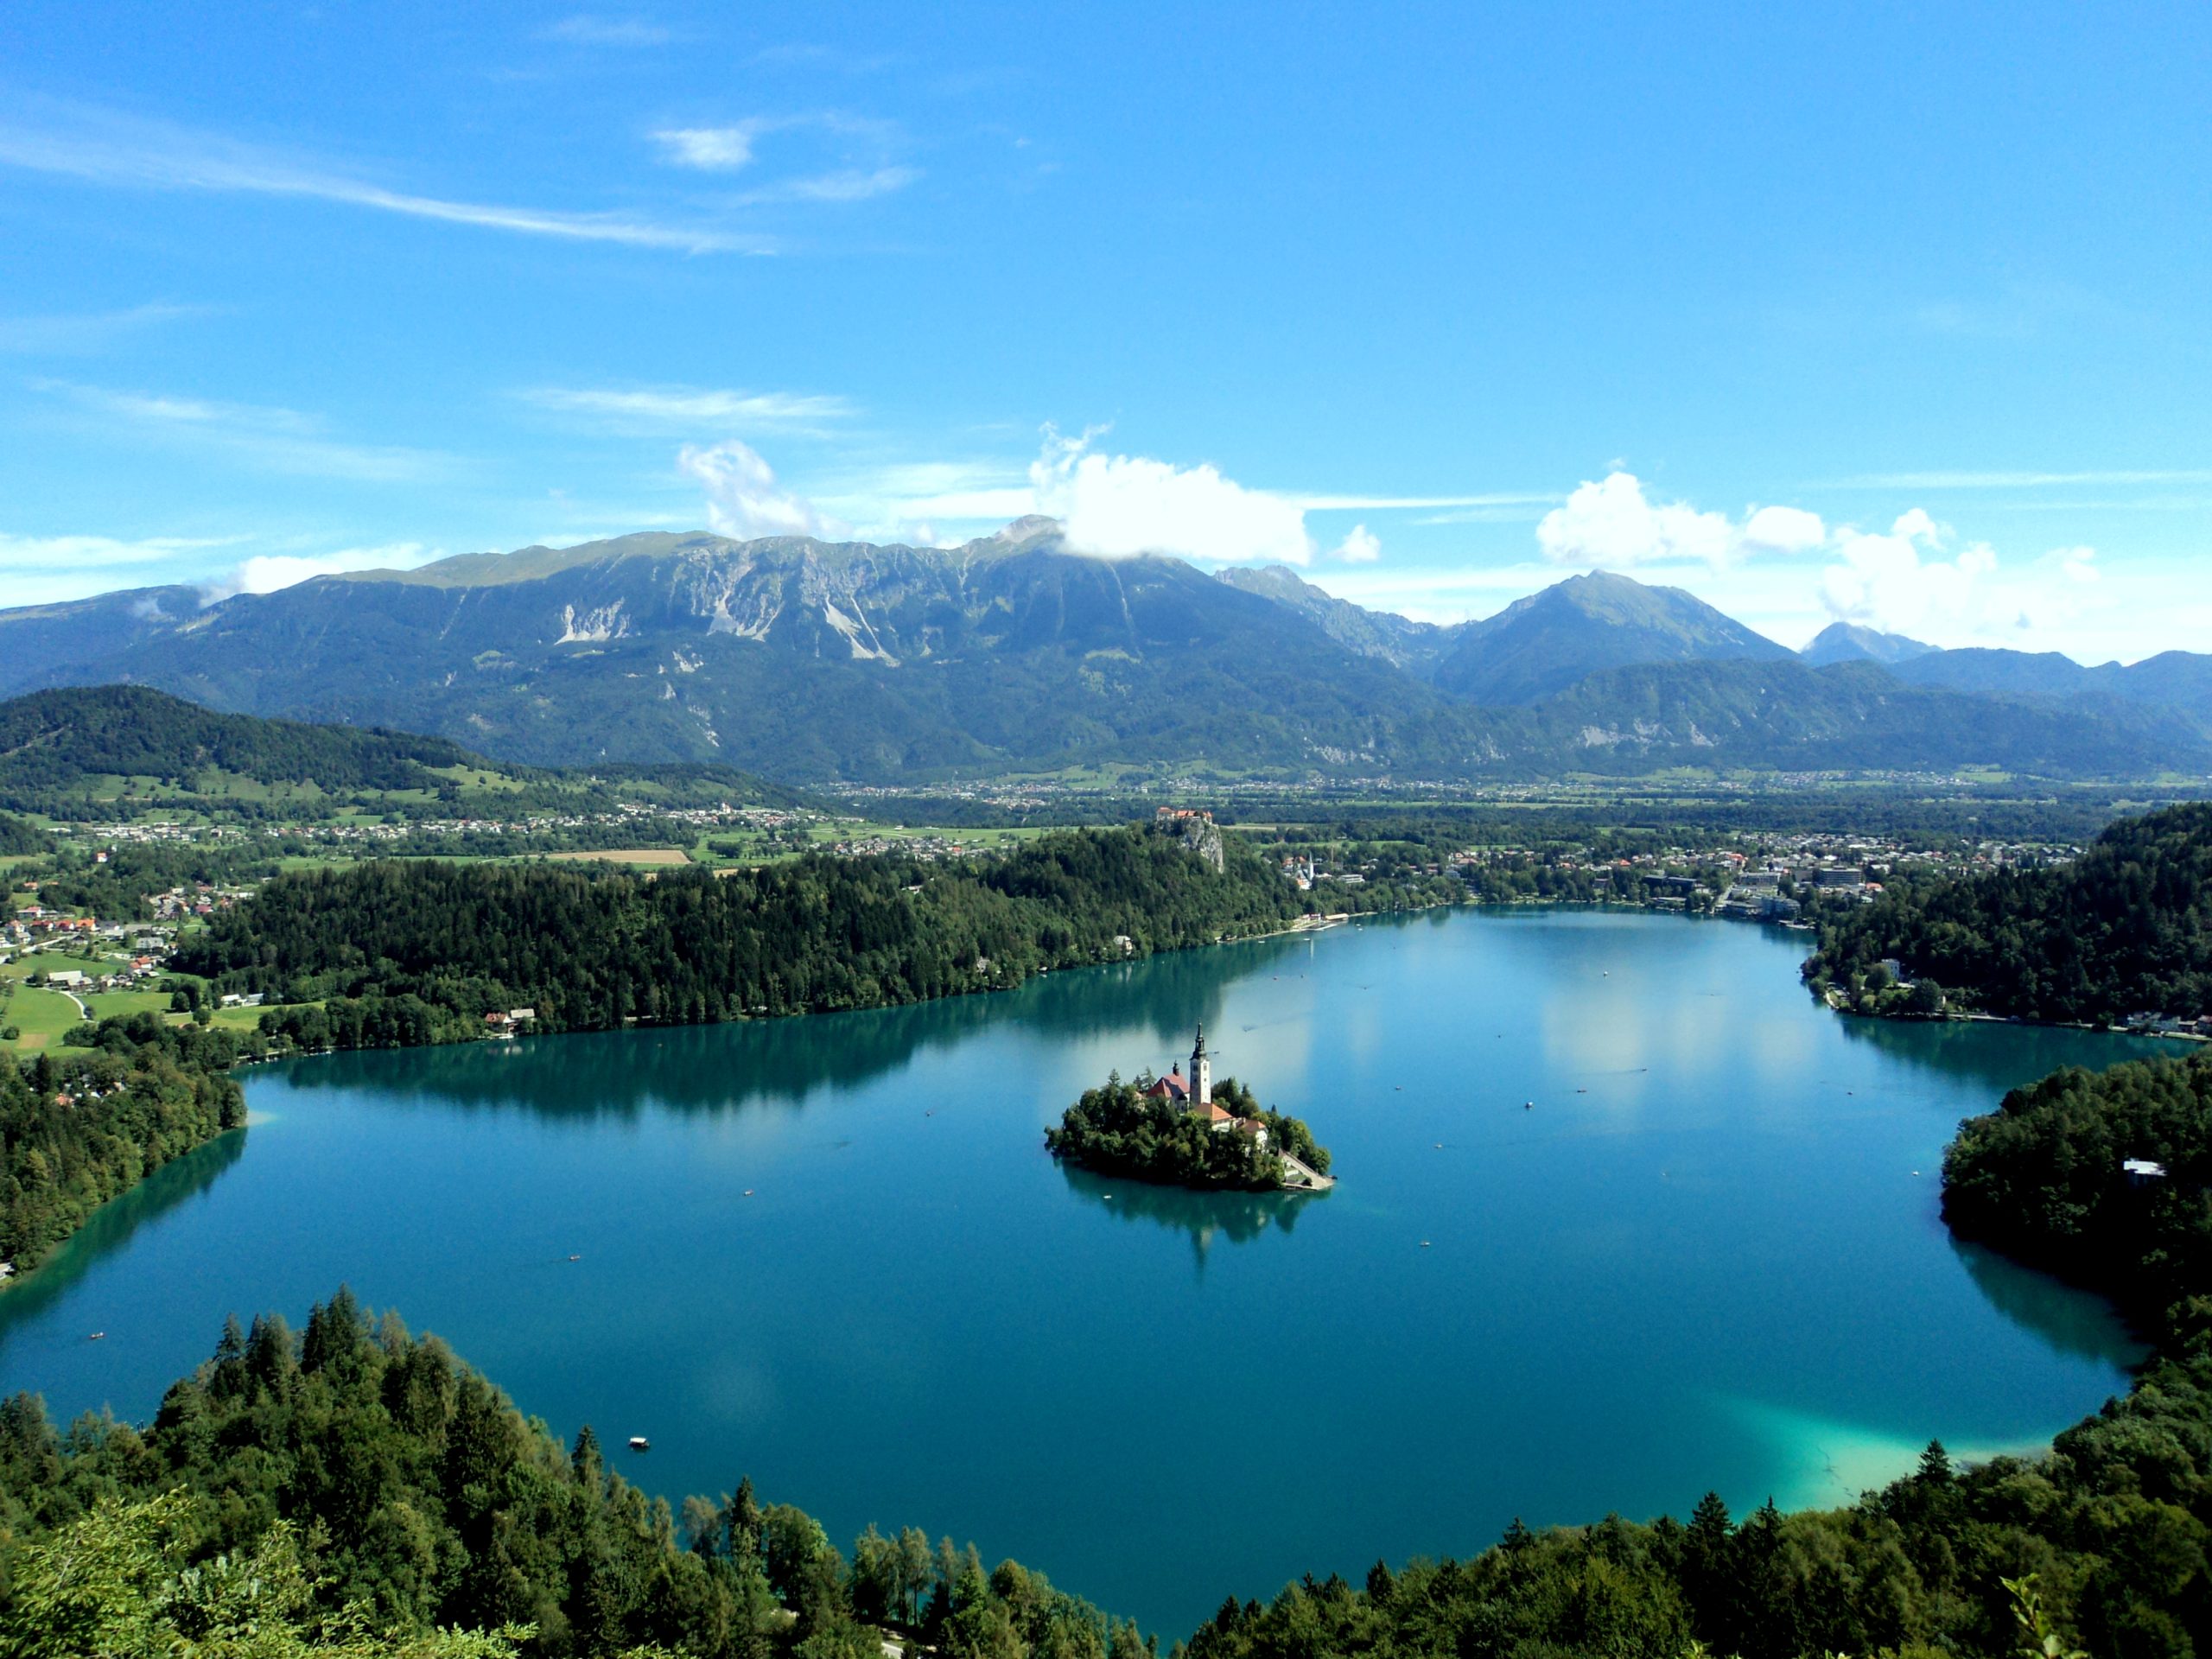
(366, 1477)
(77, 1132)
(62, 752)
(52, 738)
(406, 952)
(2042, 1179)
(21, 835)
(2126, 928)
(1117, 1129)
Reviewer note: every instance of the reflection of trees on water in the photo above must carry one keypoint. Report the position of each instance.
(1239, 1217)
(2071, 1320)
(110, 1227)
(717, 1068)
(2001, 1057)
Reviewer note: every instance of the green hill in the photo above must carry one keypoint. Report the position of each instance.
(100, 750)
(53, 738)
(2125, 929)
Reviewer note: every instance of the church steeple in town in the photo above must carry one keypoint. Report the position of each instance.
(1201, 1073)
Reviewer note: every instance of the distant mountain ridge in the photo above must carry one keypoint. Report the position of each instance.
(808, 661)
(1850, 642)
(1550, 640)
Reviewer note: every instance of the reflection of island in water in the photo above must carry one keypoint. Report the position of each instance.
(1239, 1217)
(725, 1067)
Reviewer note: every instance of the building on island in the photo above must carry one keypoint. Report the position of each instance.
(1194, 1093)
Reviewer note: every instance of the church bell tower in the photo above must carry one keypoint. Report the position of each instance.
(1201, 1074)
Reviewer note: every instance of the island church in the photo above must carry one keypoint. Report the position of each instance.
(1194, 1093)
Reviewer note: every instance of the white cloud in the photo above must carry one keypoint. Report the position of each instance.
(90, 332)
(105, 149)
(268, 572)
(1401, 503)
(713, 150)
(60, 554)
(1359, 546)
(270, 439)
(676, 408)
(1115, 506)
(1909, 580)
(1613, 525)
(2015, 480)
(584, 29)
(1442, 594)
(2078, 565)
(1782, 529)
(744, 501)
(848, 184)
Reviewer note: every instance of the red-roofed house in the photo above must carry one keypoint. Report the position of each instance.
(1173, 1089)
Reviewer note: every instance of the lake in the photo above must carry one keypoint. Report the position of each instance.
(1623, 1215)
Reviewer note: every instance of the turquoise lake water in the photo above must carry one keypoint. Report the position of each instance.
(1708, 1256)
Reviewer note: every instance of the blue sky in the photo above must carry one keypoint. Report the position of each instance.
(1897, 314)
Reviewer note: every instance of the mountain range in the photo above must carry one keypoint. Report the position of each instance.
(808, 661)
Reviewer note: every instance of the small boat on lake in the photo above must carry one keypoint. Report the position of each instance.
(640, 1443)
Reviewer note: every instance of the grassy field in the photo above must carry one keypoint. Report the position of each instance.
(638, 855)
(118, 1004)
(238, 1019)
(40, 1018)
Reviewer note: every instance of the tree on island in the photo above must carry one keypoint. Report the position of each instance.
(1122, 1128)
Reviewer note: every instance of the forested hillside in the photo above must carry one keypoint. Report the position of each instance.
(52, 738)
(2125, 929)
(411, 952)
(2042, 1179)
(74, 1134)
(394, 1480)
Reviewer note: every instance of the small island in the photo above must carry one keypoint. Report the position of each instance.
(1190, 1131)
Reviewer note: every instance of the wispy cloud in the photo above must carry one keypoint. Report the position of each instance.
(268, 572)
(48, 553)
(686, 409)
(2015, 480)
(54, 569)
(712, 150)
(58, 336)
(102, 147)
(1412, 503)
(586, 29)
(848, 184)
(868, 167)
(270, 439)
(744, 500)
